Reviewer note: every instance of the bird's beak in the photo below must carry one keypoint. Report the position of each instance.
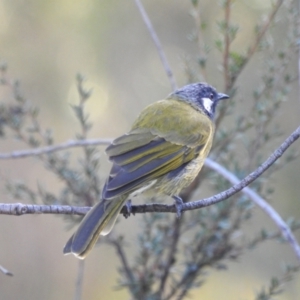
(222, 96)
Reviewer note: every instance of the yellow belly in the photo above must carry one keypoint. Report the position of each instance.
(173, 186)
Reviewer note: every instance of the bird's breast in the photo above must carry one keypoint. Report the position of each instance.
(172, 184)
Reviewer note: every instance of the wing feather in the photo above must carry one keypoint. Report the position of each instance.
(127, 177)
(128, 142)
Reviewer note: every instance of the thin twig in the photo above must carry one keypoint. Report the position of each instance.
(201, 47)
(262, 32)
(264, 205)
(79, 280)
(6, 272)
(157, 43)
(250, 178)
(259, 37)
(125, 263)
(189, 276)
(227, 46)
(228, 82)
(54, 148)
(171, 255)
(19, 209)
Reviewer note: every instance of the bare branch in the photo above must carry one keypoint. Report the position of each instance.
(171, 255)
(6, 272)
(20, 209)
(248, 179)
(157, 43)
(196, 14)
(54, 148)
(117, 244)
(262, 32)
(264, 205)
(227, 46)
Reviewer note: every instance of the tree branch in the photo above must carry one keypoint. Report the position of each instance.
(259, 37)
(262, 32)
(172, 251)
(157, 43)
(264, 205)
(248, 179)
(21, 209)
(131, 279)
(54, 148)
(227, 46)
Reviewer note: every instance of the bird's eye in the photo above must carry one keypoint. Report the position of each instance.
(211, 96)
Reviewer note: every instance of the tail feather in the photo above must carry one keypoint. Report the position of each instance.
(98, 221)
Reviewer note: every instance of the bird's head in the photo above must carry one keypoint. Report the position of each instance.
(201, 96)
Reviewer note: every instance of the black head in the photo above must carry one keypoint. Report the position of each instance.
(201, 96)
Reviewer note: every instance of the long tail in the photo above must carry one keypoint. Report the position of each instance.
(98, 221)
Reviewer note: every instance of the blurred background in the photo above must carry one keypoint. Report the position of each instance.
(45, 44)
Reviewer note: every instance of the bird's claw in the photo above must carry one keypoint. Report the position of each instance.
(127, 212)
(179, 205)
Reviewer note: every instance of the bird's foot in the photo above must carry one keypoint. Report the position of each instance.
(179, 205)
(127, 212)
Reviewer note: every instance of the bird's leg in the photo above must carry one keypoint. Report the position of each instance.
(128, 210)
(179, 204)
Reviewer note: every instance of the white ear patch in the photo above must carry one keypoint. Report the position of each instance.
(207, 104)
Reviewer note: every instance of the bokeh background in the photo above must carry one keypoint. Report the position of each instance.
(46, 43)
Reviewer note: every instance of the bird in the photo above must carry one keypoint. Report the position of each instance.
(162, 153)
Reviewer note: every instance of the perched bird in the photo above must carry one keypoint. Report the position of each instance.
(162, 154)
